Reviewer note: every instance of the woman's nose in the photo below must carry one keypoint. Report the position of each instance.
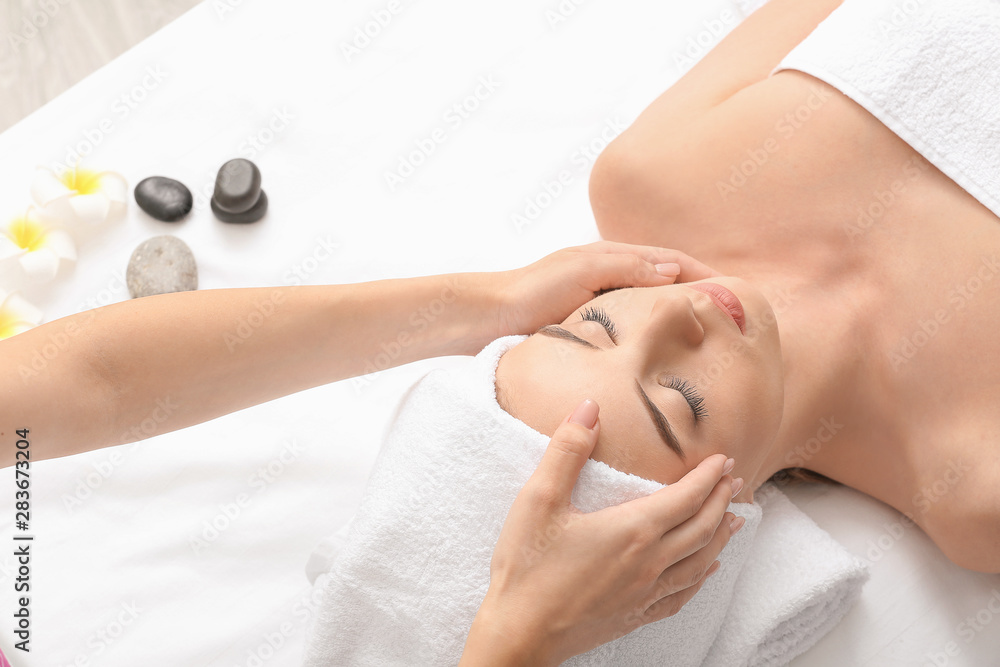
(672, 318)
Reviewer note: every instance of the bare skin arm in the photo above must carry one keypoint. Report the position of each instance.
(659, 178)
(140, 368)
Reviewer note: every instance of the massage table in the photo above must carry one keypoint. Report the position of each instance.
(395, 139)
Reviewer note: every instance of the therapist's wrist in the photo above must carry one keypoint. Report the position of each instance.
(495, 641)
(479, 303)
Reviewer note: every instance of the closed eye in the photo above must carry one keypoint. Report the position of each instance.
(695, 400)
(599, 315)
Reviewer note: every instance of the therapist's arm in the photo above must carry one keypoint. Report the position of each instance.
(148, 366)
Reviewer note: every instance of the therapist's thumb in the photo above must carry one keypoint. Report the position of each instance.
(570, 447)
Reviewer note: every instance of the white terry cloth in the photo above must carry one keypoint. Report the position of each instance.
(402, 584)
(928, 69)
(797, 584)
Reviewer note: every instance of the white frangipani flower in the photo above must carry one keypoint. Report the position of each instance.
(16, 314)
(80, 196)
(32, 253)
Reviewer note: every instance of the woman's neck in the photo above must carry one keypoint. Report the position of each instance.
(827, 314)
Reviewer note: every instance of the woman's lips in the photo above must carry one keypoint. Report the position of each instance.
(725, 300)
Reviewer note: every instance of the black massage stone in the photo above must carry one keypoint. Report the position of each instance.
(238, 197)
(253, 214)
(163, 198)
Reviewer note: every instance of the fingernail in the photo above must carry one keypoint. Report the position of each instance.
(737, 485)
(668, 269)
(585, 414)
(735, 525)
(728, 468)
(713, 569)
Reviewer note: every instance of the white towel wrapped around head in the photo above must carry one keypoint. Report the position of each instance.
(402, 584)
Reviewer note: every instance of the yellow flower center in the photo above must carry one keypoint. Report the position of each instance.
(7, 322)
(83, 181)
(27, 234)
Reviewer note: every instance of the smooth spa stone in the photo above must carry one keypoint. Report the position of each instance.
(163, 198)
(238, 197)
(255, 213)
(161, 265)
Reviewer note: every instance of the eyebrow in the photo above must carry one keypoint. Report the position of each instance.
(554, 331)
(659, 420)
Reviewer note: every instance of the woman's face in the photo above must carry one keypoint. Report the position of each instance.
(675, 378)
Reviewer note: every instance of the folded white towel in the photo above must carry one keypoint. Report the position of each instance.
(796, 585)
(928, 69)
(402, 584)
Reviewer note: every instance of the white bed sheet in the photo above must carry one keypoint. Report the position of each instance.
(116, 578)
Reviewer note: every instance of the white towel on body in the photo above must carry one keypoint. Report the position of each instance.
(928, 69)
(402, 584)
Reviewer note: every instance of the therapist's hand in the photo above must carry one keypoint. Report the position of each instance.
(550, 289)
(563, 582)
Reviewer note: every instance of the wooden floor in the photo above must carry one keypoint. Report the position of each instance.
(48, 45)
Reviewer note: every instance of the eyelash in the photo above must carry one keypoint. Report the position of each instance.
(691, 395)
(600, 316)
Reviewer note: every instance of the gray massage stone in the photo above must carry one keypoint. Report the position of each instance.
(238, 197)
(163, 198)
(253, 214)
(161, 265)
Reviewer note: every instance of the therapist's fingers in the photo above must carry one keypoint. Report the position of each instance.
(690, 268)
(682, 581)
(697, 532)
(613, 270)
(674, 504)
(570, 447)
(689, 571)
